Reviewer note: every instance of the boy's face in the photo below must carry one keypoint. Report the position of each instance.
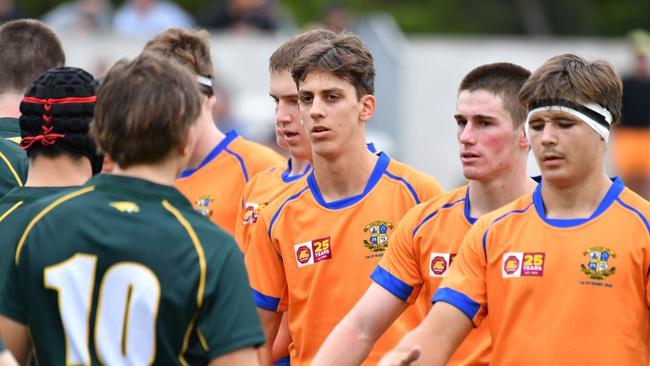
(289, 132)
(566, 148)
(331, 113)
(488, 142)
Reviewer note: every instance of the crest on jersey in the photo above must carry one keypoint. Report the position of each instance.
(313, 251)
(439, 264)
(203, 205)
(378, 240)
(125, 207)
(599, 265)
(252, 212)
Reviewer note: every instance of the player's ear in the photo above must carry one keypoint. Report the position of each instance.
(524, 143)
(367, 104)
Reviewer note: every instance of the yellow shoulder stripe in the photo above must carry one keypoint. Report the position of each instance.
(14, 139)
(44, 212)
(11, 168)
(202, 266)
(9, 211)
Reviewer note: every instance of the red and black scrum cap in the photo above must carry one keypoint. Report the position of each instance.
(57, 110)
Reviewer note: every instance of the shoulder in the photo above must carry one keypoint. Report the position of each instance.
(289, 197)
(509, 213)
(421, 185)
(635, 205)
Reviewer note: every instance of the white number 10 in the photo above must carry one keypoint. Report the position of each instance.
(127, 308)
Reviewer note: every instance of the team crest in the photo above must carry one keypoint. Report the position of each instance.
(598, 267)
(378, 241)
(313, 251)
(203, 205)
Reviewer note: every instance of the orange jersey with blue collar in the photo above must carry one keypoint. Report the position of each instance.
(263, 188)
(558, 291)
(421, 250)
(216, 186)
(322, 253)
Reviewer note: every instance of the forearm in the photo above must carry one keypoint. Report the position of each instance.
(346, 345)
(437, 337)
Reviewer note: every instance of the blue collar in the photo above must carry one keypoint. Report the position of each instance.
(230, 136)
(380, 167)
(292, 178)
(613, 192)
(469, 218)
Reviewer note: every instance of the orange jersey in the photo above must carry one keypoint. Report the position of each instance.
(558, 291)
(423, 246)
(322, 253)
(216, 186)
(263, 188)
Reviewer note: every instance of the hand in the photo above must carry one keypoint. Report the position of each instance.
(400, 358)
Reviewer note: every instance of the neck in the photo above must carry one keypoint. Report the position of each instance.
(298, 166)
(209, 137)
(10, 105)
(488, 196)
(578, 200)
(61, 171)
(345, 176)
(164, 172)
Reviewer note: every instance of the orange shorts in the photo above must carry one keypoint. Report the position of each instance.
(631, 151)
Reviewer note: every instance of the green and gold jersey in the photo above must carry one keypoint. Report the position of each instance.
(13, 160)
(13, 206)
(124, 271)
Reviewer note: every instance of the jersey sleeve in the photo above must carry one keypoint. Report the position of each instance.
(399, 269)
(265, 268)
(228, 319)
(11, 297)
(465, 284)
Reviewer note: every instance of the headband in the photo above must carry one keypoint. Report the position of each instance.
(593, 114)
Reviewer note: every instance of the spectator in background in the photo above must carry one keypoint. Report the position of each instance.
(632, 136)
(81, 15)
(9, 11)
(146, 18)
(241, 16)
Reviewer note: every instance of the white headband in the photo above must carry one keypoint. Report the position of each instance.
(594, 115)
(204, 80)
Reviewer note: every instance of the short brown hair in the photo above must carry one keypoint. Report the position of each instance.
(29, 48)
(284, 57)
(144, 109)
(572, 78)
(502, 79)
(188, 48)
(345, 56)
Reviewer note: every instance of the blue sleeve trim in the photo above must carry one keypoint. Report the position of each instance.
(645, 221)
(284, 361)
(458, 299)
(241, 162)
(277, 213)
(391, 283)
(407, 184)
(265, 302)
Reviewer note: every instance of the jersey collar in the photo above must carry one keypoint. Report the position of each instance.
(292, 178)
(613, 192)
(466, 210)
(380, 167)
(230, 136)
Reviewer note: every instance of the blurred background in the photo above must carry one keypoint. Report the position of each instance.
(422, 50)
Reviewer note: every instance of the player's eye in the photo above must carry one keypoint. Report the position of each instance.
(333, 97)
(461, 123)
(536, 125)
(305, 99)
